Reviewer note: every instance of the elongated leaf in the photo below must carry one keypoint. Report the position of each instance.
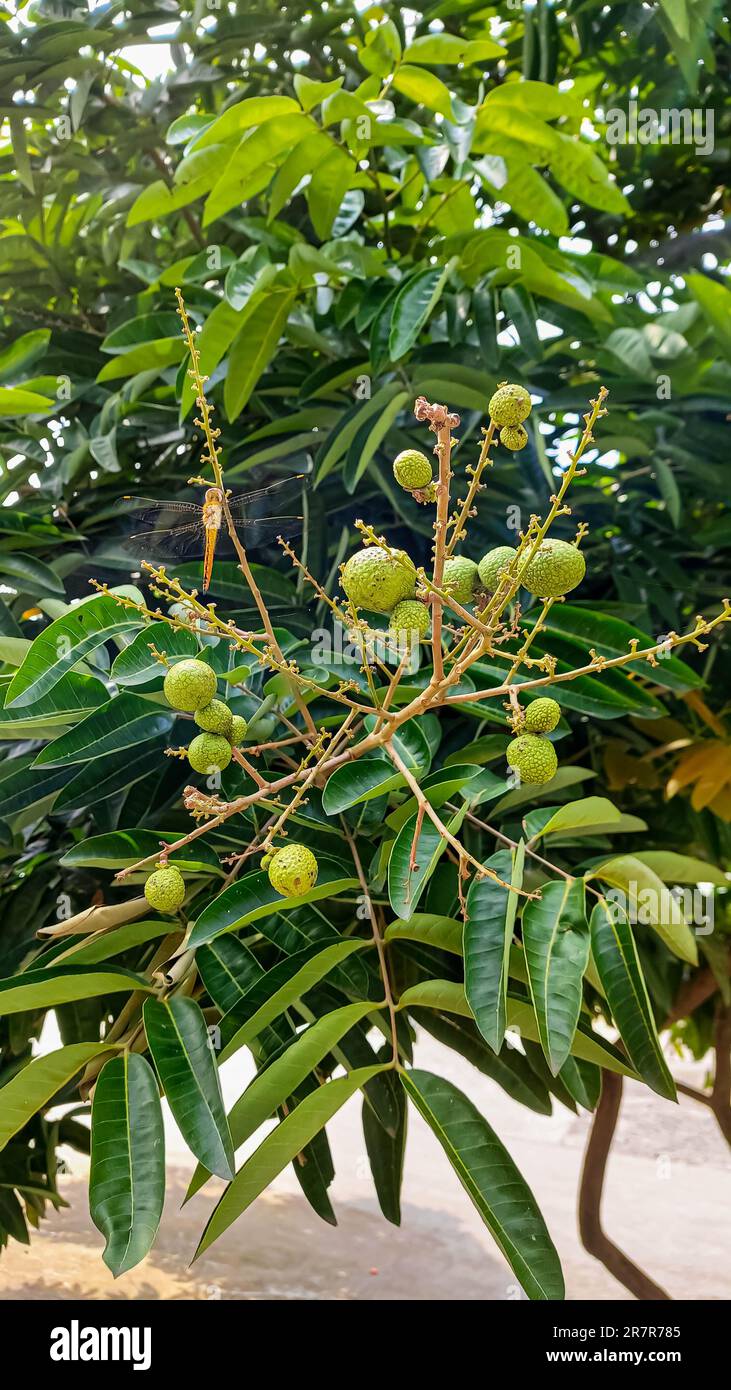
(406, 884)
(44, 989)
(646, 895)
(125, 722)
(443, 932)
(136, 665)
(127, 1179)
(449, 996)
(253, 898)
(279, 1148)
(33, 576)
(488, 934)
(359, 781)
(121, 848)
(386, 1157)
(615, 956)
(492, 1181)
(254, 347)
(280, 987)
(183, 1056)
(511, 1070)
(63, 643)
(35, 1084)
(282, 1077)
(412, 307)
(556, 944)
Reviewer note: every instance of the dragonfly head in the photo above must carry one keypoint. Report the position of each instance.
(214, 496)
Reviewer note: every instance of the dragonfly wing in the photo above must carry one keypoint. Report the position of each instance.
(163, 541)
(278, 499)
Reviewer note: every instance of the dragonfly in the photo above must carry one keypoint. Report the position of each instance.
(194, 529)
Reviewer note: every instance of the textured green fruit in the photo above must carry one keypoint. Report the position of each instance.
(209, 753)
(293, 870)
(410, 616)
(460, 578)
(509, 406)
(513, 437)
(533, 757)
(165, 889)
(491, 566)
(189, 684)
(215, 718)
(373, 578)
(556, 568)
(412, 470)
(542, 716)
(238, 730)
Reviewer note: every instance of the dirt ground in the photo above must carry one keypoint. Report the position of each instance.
(667, 1205)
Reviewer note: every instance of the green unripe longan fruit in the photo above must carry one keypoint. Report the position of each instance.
(510, 405)
(542, 716)
(556, 568)
(209, 753)
(533, 757)
(412, 470)
(513, 437)
(189, 684)
(215, 718)
(293, 870)
(238, 730)
(165, 889)
(410, 616)
(460, 578)
(491, 566)
(374, 578)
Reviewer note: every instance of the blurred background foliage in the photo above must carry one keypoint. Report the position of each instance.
(362, 204)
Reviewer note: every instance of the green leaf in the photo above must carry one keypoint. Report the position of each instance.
(424, 88)
(29, 1089)
(492, 1181)
(281, 1078)
(44, 989)
(64, 643)
(437, 50)
(35, 577)
(386, 1157)
(368, 441)
(595, 814)
(15, 401)
(331, 179)
(647, 896)
(279, 987)
(136, 665)
(488, 934)
(23, 352)
(406, 884)
(615, 956)
(73, 697)
(154, 356)
(121, 848)
(181, 1050)
(359, 781)
(611, 637)
(280, 1147)
(511, 1070)
(444, 933)
(254, 348)
(125, 722)
(255, 155)
(715, 301)
(311, 93)
(253, 898)
(412, 308)
(682, 868)
(556, 944)
(127, 1178)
